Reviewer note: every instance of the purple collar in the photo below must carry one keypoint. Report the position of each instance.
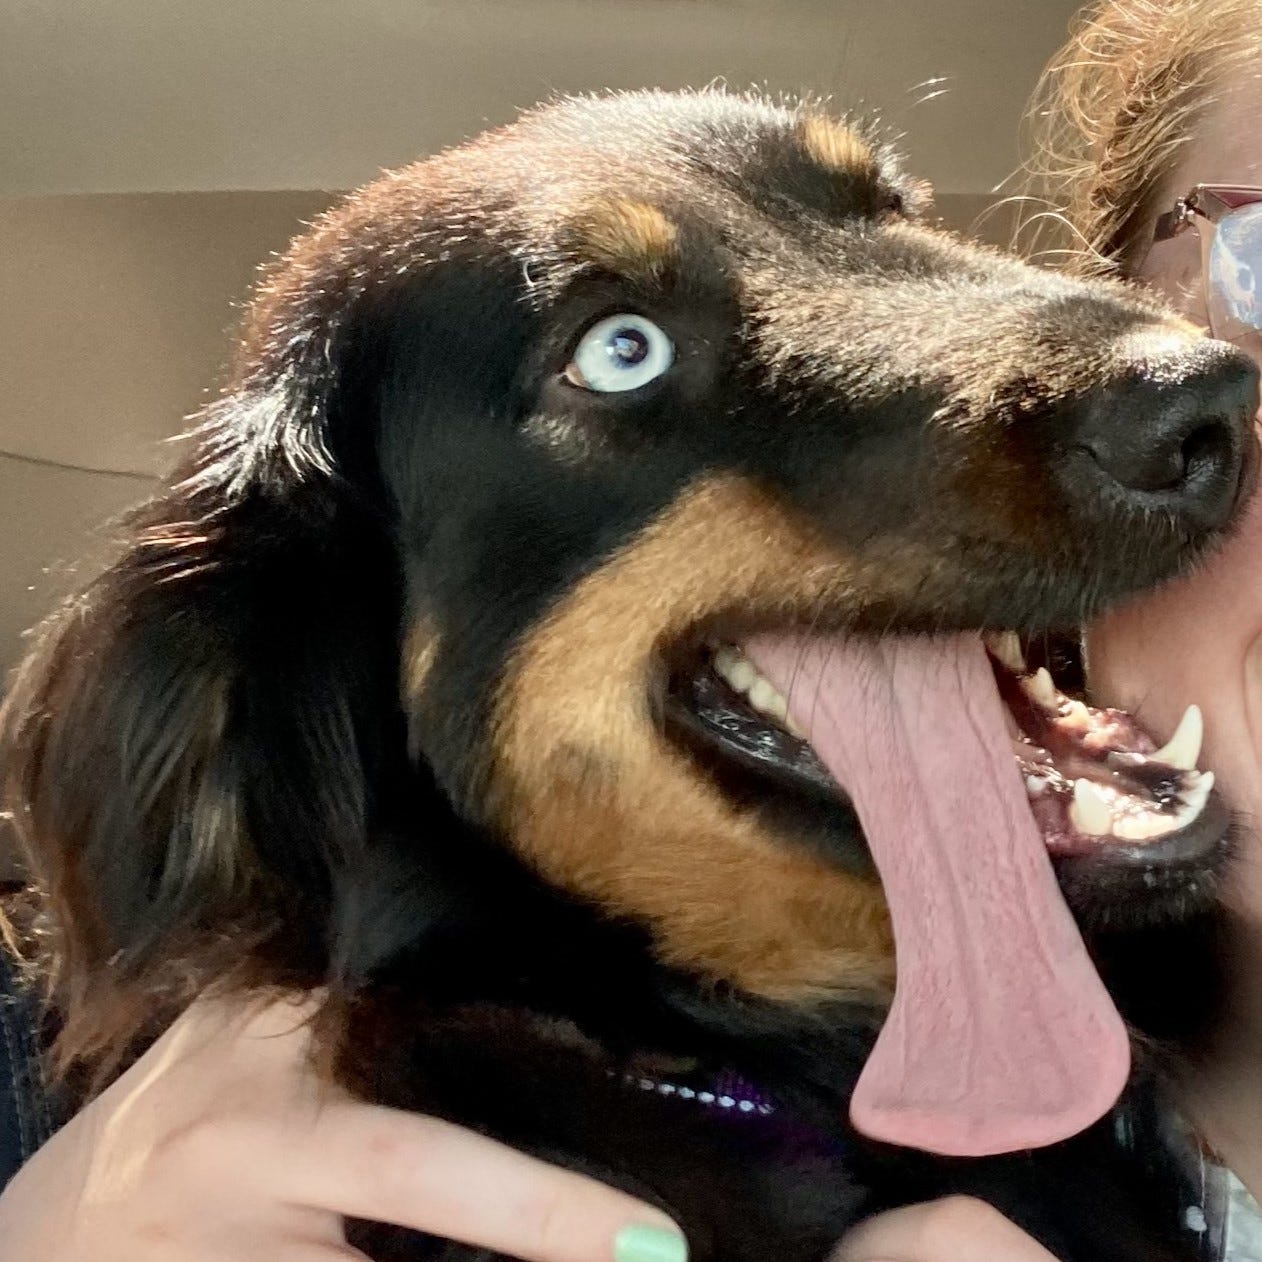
(760, 1117)
(729, 1091)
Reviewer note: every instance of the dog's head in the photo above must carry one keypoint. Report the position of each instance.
(523, 444)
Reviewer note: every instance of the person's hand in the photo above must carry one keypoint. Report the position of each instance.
(220, 1145)
(957, 1229)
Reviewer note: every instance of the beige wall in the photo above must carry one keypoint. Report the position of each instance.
(142, 95)
(115, 315)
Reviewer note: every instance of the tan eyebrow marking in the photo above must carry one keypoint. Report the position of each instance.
(838, 147)
(629, 236)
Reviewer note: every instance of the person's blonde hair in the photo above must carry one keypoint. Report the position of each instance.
(1117, 106)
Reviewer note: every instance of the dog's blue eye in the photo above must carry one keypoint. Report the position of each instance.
(621, 352)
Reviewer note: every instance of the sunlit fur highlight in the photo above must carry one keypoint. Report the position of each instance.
(839, 148)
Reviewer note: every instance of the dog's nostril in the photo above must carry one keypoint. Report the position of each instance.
(1176, 437)
(1169, 462)
(1206, 449)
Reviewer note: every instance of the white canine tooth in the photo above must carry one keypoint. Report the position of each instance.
(1194, 799)
(763, 696)
(1184, 747)
(1144, 827)
(1006, 647)
(1089, 811)
(1197, 793)
(791, 726)
(1039, 687)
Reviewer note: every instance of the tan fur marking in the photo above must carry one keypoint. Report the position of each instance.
(837, 147)
(629, 237)
(657, 840)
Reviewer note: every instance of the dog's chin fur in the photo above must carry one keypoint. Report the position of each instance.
(367, 699)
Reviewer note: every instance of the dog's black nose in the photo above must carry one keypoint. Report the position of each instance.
(1175, 434)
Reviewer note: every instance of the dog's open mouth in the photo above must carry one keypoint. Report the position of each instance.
(1098, 785)
(963, 770)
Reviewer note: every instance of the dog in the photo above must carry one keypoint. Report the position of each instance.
(449, 671)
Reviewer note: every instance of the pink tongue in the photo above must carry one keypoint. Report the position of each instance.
(1001, 1035)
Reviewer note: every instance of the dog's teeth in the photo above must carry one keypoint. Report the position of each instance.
(1194, 798)
(763, 696)
(1145, 827)
(1197, 792)
(742, 676)
(1006, 647)
(1148, 825)
(737, 670)
(1184, 748)
(1039, 688)
(1089, 811)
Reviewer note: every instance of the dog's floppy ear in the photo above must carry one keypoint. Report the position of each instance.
(194, 746)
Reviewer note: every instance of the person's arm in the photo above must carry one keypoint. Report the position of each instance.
(220, 1145)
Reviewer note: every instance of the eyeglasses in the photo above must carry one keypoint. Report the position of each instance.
(1228, 220)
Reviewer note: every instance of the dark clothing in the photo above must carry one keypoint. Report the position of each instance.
(26, 1113)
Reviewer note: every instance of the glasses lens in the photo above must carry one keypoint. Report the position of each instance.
(1233, 272)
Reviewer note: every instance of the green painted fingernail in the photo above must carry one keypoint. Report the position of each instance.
(642, 1243)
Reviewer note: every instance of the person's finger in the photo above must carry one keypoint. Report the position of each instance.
(956, 1229)
(364, 1161)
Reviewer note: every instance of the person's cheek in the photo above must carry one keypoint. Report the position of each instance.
(1198, 641)
(1137, 659)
